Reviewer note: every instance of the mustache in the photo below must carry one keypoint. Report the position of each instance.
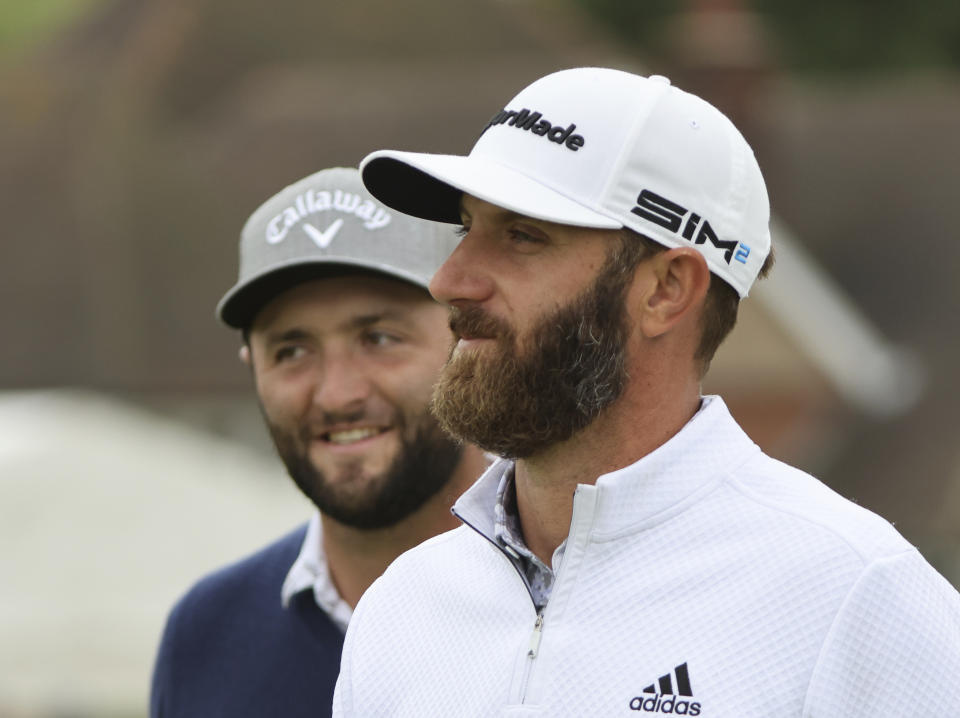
(475, 323)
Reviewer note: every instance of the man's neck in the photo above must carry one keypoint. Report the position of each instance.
(620, 436)
(357, 557)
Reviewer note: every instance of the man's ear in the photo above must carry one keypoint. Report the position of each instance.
(676, 290)
(244, 354)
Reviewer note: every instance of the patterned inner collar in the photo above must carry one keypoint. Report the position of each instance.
(509, 534)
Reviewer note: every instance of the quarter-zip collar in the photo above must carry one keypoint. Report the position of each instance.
(698, 456)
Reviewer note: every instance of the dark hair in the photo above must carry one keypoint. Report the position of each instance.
(720, 306)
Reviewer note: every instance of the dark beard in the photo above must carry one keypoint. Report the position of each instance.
(423, 466)
(519, 405)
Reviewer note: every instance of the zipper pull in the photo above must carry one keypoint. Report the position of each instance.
(535, 638)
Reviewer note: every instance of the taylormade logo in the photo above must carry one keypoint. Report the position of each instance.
(533, 122)
(312, 202)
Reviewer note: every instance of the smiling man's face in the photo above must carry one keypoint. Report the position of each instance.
(344, 369)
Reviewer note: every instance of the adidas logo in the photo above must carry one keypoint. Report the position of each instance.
(660, 697)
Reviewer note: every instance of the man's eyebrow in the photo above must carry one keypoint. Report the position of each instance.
(366, 320)
(502, 213)
(287, 335)
(360, 321)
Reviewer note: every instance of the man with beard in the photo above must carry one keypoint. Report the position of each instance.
(344, 344)
(634, 552)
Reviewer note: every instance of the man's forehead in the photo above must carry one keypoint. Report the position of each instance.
(471, 206)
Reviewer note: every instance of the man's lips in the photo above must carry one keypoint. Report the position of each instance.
(471, 324)
(351, 435)
(469, 331)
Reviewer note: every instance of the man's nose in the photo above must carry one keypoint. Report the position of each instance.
(342, 384)
(462, 278)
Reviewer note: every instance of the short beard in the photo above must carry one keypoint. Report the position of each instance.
(519, 405)
(422, 467)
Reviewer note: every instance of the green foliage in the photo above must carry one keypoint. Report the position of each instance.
(634, 21)
(866, 34)
(820, 35)
(24, 23)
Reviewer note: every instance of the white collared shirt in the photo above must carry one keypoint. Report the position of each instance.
(704, 579)
(310, 571)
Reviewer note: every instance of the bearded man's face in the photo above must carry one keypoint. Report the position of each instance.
(527, 393)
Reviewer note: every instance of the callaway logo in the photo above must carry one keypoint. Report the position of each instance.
(311, 202)
(533, 122)
(666, 213)
(660, 697)
(323, 239)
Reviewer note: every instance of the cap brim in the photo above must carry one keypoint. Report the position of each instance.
(429, 186)
(241, 303)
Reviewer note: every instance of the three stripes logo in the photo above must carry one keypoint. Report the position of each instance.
(660, 697)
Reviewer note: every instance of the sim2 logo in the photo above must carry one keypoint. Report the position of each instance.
(666, 213)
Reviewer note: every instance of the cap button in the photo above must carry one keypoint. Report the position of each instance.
(659, 78)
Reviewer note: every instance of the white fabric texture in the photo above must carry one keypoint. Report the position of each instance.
(310, 572)
(706, 577)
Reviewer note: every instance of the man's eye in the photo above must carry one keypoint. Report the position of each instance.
(518, 235)
(288, 353)
(379, 339)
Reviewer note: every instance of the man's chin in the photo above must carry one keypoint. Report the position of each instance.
(339, 490)
(375, 489)
(359, 473)
(476, 359)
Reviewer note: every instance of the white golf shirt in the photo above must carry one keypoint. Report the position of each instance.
(706, 579)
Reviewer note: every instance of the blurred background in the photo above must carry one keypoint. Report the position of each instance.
(137, 135)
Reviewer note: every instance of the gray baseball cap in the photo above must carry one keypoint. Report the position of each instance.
(321, 226)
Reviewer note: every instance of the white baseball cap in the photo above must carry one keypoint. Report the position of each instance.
(324, 225)
(595, 147)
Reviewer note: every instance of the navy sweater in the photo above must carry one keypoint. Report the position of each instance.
(231, 649)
